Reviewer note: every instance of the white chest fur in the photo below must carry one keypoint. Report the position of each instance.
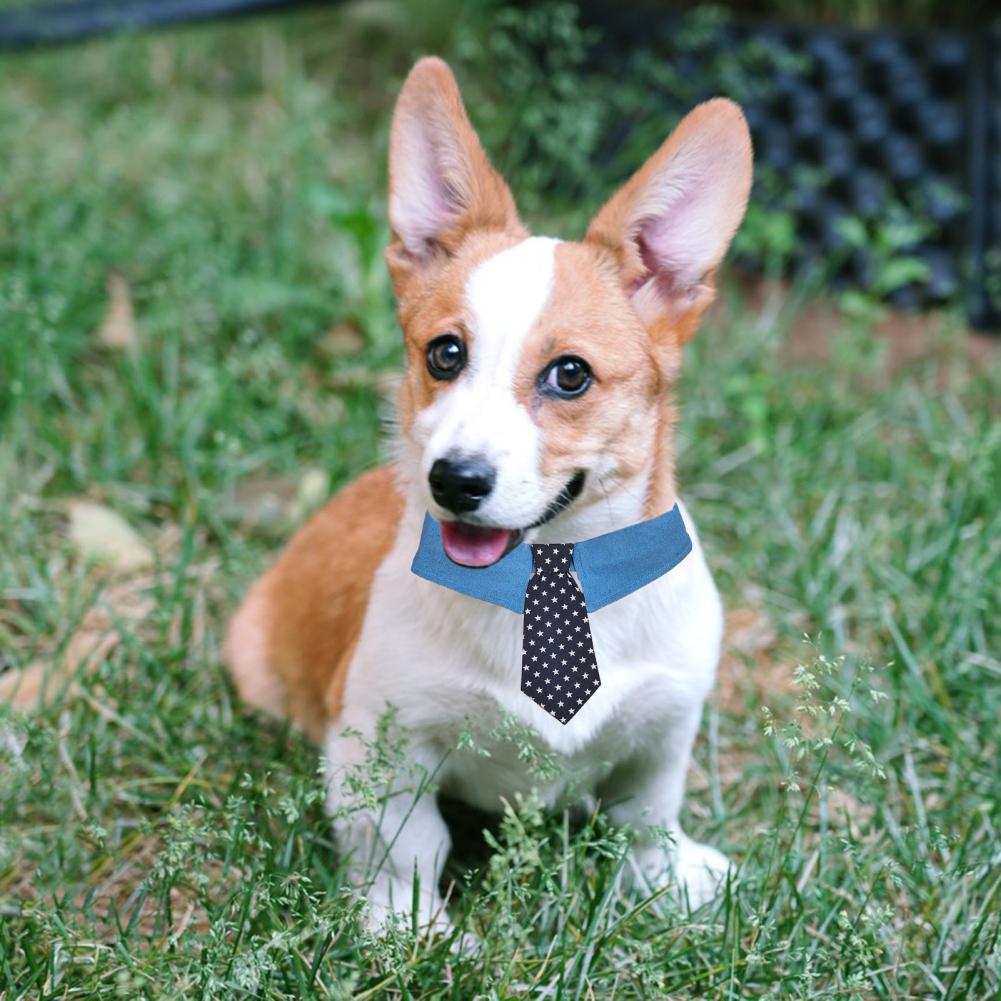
(451, 664)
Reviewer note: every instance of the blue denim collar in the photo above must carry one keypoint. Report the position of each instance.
(608, 567)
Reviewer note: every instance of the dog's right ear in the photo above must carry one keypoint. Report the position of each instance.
(441, 184)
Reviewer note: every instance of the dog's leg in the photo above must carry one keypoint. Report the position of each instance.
(394, 837)
(646, 792)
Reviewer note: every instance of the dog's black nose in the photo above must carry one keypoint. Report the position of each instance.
(460, 485)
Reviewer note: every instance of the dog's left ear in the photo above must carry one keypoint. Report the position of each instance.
(671, 223)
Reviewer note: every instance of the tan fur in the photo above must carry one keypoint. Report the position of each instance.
(588, 316)
(672, 323)
(440, 309)
(290, 644)
(430, 285)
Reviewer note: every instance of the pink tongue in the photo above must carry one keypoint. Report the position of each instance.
(473, 546)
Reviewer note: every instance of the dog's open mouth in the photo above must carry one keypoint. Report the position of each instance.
(480, 546)
(475, 545)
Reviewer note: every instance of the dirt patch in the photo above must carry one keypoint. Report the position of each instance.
(123, 605)
(753, 668)
(910, 339)
(118, 894)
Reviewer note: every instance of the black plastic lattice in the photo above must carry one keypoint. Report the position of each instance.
(855, 122)
(985, 180)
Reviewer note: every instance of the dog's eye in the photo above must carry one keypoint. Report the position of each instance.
(567, 376)
(446, 356)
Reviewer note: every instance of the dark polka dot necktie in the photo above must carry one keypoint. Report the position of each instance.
(558, 668)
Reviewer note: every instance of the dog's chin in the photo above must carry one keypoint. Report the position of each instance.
(480, 546)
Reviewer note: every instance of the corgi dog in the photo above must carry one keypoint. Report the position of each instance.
(536, 406)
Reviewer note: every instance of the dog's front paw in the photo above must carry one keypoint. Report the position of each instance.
(389, 903)
(696, 871)
(700, 871)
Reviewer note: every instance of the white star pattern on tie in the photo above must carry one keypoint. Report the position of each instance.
(543, 676)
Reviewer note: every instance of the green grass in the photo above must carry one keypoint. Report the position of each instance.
(159, 840)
